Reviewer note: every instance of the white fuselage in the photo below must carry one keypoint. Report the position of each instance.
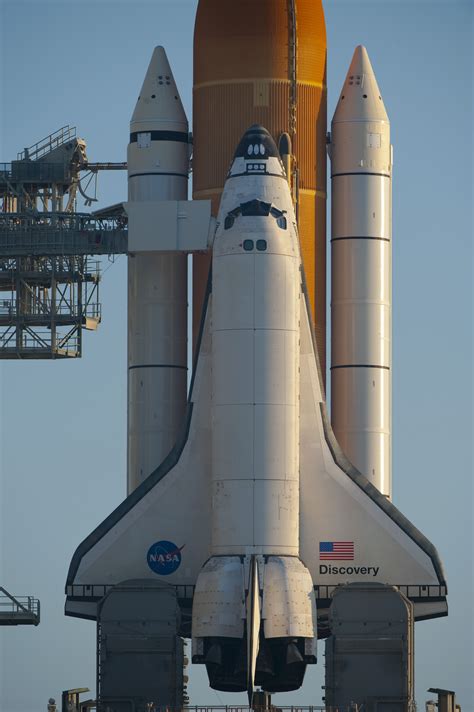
(255, 391)
(255, 329)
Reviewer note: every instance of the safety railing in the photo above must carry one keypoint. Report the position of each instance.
(256, 708)
(15, 610)
(98, 591)
(241, 708)
(375, 706)
(411, 592)
(18, 222)
(62, 234)
(33, 172)
(48, 144)
(5, 171)
(39, 340)
(8, 307)
(321, 592)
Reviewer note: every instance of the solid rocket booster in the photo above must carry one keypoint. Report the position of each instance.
(158, 160)
(361, 165)
(264, 62)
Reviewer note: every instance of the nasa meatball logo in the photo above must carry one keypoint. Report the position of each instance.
(164, 557)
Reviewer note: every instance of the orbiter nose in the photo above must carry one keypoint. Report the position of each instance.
(256, 143)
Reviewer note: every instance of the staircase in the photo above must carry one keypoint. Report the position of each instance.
(48, 144)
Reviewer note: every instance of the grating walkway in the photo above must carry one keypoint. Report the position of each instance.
(22, 610)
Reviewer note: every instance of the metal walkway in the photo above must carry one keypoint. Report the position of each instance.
(22, 610)
(48, 144)
(23, 234)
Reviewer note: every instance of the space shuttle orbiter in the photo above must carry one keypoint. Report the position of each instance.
(255, 514)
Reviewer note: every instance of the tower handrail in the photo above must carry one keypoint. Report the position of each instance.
(48, 144)
(32, 606)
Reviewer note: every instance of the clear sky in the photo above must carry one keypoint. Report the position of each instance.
(63, 439)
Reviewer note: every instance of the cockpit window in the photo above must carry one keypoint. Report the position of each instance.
(256, 208)
(255, 149)
(280, 217)
(230, 218)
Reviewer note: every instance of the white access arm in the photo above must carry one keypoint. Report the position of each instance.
(169, 225)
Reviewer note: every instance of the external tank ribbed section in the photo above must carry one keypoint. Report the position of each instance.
(242, 76)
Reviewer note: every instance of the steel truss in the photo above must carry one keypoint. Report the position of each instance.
(45, 303)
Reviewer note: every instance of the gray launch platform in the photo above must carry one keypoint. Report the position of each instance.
(140, 656)
(370, 653)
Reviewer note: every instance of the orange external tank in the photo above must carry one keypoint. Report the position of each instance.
(264, 61)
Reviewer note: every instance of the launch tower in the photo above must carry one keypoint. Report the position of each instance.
(49, 281)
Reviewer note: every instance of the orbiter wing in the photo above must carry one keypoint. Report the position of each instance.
(348, 530)
(163, 528)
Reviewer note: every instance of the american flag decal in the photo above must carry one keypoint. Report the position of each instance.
(336, 551)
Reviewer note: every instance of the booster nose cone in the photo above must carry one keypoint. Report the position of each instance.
(360, 98)
(159, 105)
(256, 143)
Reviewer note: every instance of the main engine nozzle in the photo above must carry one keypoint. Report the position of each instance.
(254, 623)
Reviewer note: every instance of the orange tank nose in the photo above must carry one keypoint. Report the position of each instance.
(264, 63)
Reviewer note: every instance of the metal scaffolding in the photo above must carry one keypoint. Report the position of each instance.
(23, 234)
(45, 304)
(49, 285)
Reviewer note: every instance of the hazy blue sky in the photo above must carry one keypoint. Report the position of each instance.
(63, 423)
